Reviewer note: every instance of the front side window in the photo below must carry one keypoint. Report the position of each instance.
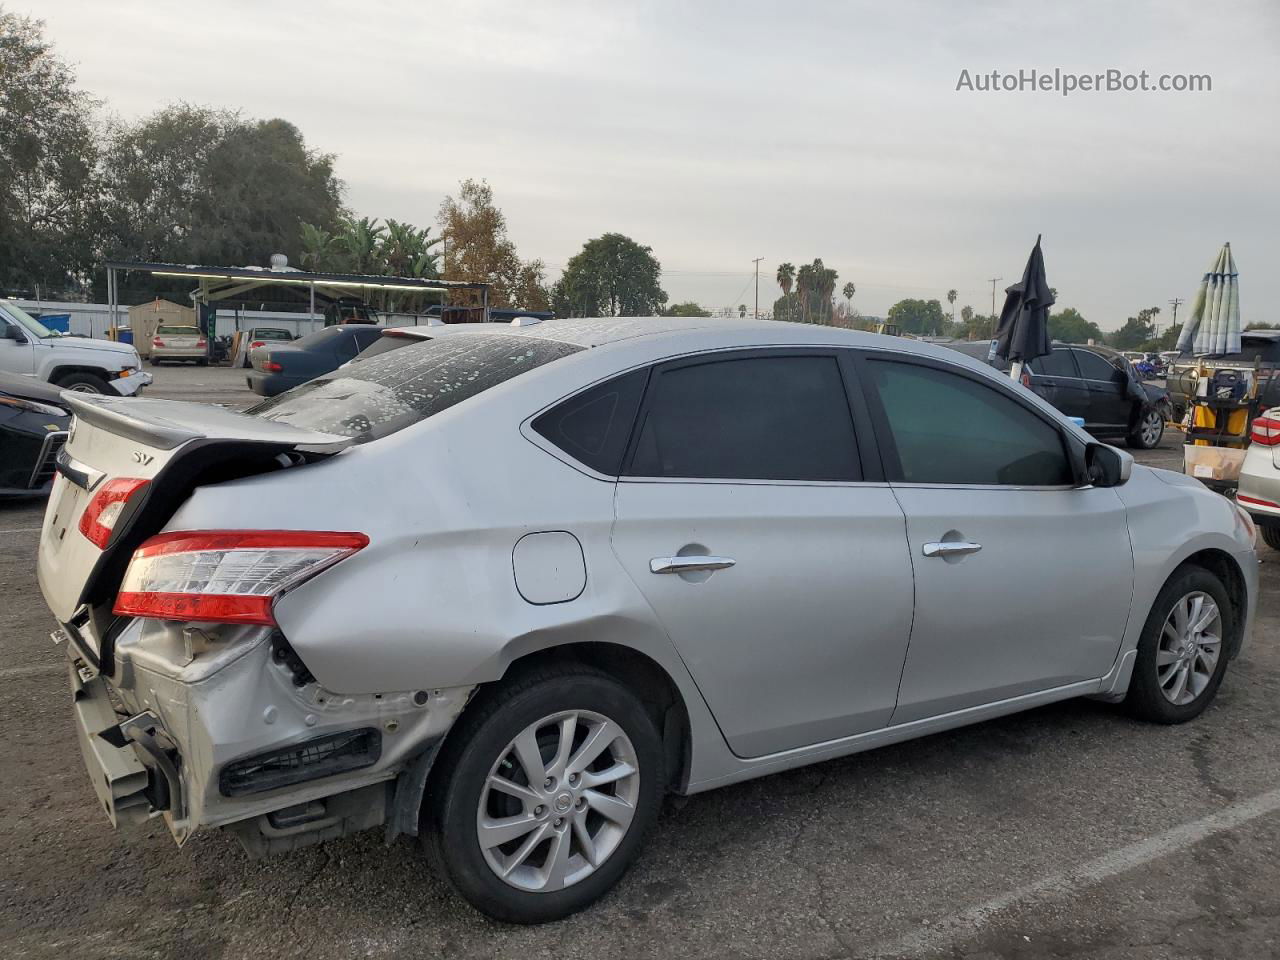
(755, 418)
(947, 428)
(1094, 367)
(377, 397)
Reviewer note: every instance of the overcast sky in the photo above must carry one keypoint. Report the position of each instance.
(719, 132)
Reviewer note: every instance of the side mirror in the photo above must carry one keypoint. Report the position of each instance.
(1105, 466)
(11, 332)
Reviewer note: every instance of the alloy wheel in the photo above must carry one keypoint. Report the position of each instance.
(1190, 644)
(558, 801)
(83, 388)
(1150, 429)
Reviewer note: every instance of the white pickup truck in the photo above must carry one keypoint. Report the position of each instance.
(28, 348)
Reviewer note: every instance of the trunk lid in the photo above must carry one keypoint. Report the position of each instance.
(175, 446)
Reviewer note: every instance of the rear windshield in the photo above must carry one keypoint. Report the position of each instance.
(179, 331)
(377, 397)
(271, 333)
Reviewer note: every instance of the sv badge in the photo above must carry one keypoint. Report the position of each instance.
(142, 458)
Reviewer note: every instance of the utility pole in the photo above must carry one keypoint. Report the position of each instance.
(756, 314)
(994, 281)
(1175, 302)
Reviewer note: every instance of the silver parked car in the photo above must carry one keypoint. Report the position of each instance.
(505, 588)
(179, 342)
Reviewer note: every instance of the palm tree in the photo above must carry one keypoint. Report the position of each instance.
(786, 278)
(848, 291)
(742, 310)
(951, 299)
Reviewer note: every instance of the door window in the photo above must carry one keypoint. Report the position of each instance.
(947, 428)
(1056, 364)
(757, 418)
(1094, 367)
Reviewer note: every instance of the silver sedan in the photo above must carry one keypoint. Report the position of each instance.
(504, 589)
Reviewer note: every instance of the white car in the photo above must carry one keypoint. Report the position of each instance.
(29, 348)
(1259, 489)
(510, 585)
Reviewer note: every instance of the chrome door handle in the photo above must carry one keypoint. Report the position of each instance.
(951, 548)
(688, 564)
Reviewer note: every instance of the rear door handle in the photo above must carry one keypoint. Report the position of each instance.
(951, 548)
(688, 564)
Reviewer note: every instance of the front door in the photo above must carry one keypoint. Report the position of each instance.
(1023, 580)
(782, 578)
(17, 355)
(1109, 403)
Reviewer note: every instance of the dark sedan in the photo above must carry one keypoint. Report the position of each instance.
(278, 367)
(33, 428)
(1096, 384)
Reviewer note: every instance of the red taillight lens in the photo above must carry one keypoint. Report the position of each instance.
(258, 343)
(1257, 501)
(100, 516)
(226, 576)
(202, 342)
(157, 342)
(1026, 379)
(272, 367)
(1265, 431)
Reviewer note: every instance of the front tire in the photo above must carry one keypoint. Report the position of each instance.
(543, 794)
(1148, 431)
(1270, 536)
(1182, 653)
(84, 383)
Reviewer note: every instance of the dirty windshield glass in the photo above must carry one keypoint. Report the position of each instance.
(388, 393)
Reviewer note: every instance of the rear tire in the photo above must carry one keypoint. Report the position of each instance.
(84, 383)
(516, 737)
(1191, 622)
(1270, 536)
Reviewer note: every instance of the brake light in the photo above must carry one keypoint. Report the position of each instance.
(272, 367)
(1265, 431)
(1257, 501)
(157, 342)
(226, 576)
(258, 343)
(100, 516)
(1026, 379)
(202, 342)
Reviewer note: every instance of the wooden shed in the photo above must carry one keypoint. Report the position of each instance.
(146, 317)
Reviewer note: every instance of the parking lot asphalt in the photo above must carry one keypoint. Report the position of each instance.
(1068, 831)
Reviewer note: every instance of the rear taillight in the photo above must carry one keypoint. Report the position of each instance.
(100, 516)
(1026, 379)
(1265, 431)
(202, 342)
(258, 343)
(272, 367)
(157, 342)
(226, 576)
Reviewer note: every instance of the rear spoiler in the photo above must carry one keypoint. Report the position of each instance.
(167, 424)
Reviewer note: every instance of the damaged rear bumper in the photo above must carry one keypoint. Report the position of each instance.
(239, 738)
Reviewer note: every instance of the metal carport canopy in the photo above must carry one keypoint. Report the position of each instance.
(233, 281)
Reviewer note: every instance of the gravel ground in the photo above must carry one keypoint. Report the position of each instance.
(1069, 831)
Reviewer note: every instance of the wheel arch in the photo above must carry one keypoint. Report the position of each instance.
(1226, 568)
(67, 369)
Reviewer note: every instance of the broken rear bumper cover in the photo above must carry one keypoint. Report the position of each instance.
(238, 735)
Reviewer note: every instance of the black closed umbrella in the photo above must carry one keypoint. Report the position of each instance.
(1023, 333)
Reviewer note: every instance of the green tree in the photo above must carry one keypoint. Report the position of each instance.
(686, 309)
(48, 164)
(1069, 327)
(477, 248)
(849, 290)
(742, 310)
(786, 277)
(612, 276)
(193, 185)
(921, 317)
(1136, 330)
(815, 287)
(951, 300)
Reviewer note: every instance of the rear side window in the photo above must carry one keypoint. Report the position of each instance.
(377, 397)
(757, 418)
(1056, 364)
(948, 428)
(594, 426)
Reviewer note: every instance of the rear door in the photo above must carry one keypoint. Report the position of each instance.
(1109, 403)
(768, 546)
(1057, 379)
(1023, 580)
